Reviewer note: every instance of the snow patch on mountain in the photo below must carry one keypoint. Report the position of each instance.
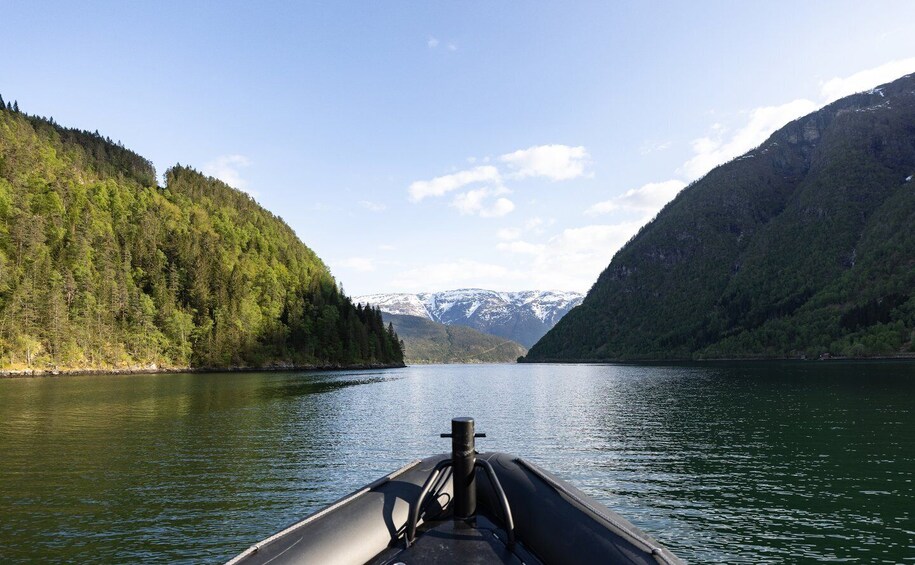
(405, 304)
(521, 316)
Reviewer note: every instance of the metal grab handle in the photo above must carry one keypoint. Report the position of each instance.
(503, 500)
(410, 533)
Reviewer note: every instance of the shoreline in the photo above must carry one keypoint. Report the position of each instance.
(656, 361)
(154, 370)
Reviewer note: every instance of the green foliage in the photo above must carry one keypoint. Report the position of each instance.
(426, 341)
(100, 267)
(802, 247)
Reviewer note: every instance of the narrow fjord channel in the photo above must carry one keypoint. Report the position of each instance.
(767, 462)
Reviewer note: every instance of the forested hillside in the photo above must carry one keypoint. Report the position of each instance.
(101, 268)
(804, 246)
(426, 341)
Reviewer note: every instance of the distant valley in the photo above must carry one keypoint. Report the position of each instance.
(427, 341)
(523, 317)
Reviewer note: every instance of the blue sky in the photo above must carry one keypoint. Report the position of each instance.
(427, 145)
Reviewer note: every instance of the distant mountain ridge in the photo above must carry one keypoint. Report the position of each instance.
(802, 247)
(523, 316)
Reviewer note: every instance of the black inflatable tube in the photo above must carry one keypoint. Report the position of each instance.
(553, 520)
(354, 529)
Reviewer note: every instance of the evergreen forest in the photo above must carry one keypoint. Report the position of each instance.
(102, 268)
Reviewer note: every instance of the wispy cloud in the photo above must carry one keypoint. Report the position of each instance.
(654, 146)
(226, 168)
(477, 202)
(439, 186)
(433, 43)
(649, 198)
(485, 199)
(373, 206)
(508, 234)
(833, 89)
(522, 247)
(573, 258)
(535, 223)
(555, 162)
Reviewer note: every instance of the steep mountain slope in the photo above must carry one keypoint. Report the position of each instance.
(426, 341)
(803, 246)
(519, 316)
(102, 268)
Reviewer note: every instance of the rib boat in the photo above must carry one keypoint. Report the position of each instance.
(468, 508)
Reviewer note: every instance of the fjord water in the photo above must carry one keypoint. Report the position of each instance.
(753, 463)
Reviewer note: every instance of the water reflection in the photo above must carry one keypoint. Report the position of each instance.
(739, 463)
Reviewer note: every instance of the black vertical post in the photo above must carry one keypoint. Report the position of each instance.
(463, 456)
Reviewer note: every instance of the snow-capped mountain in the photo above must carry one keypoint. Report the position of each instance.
(402, 304)
(520, 316)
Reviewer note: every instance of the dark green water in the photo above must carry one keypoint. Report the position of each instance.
(744, 463)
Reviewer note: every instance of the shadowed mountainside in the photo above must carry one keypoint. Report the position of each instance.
(801, 247)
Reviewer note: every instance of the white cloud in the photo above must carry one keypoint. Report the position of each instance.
(373, 206)
(386, 247)
(833, 89)
(572, 259)
(475, 202)
(432, 43)
(556, 162)
(455, 274)
(649, 198)
(533, 223)
(360, 264)
(500, 208)
(486, 174)
(508, 234)
(653, 146)
(226, 168)
(452, 47)
(713, 149)
(522, 247)
(470, 202)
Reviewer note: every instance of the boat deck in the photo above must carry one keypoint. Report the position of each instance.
(450, 542)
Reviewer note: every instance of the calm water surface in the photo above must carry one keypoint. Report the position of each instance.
(744, 463)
